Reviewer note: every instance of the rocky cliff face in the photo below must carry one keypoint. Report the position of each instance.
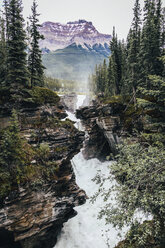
(103, 126)
(108, 122)
(59, 36)
(32, 216)
(106, 127)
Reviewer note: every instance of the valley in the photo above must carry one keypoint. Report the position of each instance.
(72, 51)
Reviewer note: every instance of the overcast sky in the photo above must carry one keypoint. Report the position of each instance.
(103, 13)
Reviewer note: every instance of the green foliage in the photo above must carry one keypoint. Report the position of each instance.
(14, 154)
(61, 85)
(21, 163)
(109, 79)
(56, 123)
(43, 153)
(135, 66)
(3, 52)
(114, 99)
(40, 95)
(151, 46)
(133, 48)
(17, 73)
(35, 66)
(139, 171)
(146, 229)
(4, 94)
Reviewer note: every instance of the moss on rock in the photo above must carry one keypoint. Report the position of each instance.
(40, 96)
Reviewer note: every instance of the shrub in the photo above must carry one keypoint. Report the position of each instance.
(43, 95)
(140, 172)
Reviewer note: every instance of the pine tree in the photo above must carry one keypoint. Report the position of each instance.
(103, 76)
(163, 33)
(2, 52)
(158, 65)
(150, 49)
(115, 65)
(16, 46)
(110, 87)
(133, 50)
(35, 66)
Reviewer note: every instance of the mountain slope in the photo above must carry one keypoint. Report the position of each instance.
(72, 62)
(71, 51)
(59, 36)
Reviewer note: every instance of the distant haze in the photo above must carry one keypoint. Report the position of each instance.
(104, 14)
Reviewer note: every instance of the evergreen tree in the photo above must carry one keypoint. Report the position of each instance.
(115, 65)
(16, 46)
(150, 49)
(36, 68)
(2, 52)
(111, 86)
(133, 50)
(103, 76)
(123, 67)
(163, 33)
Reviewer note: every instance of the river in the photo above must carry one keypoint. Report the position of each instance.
(86, 230)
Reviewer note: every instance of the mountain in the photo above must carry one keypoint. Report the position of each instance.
(71, 51)
(59, 36)
(73, 62)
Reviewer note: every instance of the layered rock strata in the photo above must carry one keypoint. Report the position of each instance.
(32, 216)
(103, 124)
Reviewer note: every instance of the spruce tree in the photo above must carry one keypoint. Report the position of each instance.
(133, 50)
(110, 89)
(35, 66)
(115, 77)
(104, 76)
(16, 46)
(158, 44)
(150, 49)
(2, 52)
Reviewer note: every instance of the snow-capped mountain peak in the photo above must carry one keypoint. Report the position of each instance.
(59, 36)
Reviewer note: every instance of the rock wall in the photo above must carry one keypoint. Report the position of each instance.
(33, 217)
(104, 126)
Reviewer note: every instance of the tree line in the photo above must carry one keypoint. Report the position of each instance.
(135, 77)
(20, 55)
(134, 64)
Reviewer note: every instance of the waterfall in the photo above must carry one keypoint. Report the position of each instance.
(85, 230)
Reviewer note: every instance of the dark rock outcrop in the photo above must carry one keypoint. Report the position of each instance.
(103, 124)
(32, 216)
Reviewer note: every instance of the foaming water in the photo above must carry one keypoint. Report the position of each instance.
(71, 116)
(85, 230)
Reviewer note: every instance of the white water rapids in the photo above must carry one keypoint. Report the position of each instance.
(85, 230)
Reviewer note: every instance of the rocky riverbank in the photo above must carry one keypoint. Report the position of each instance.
(109, 121)
(104, 127)
(33, 214)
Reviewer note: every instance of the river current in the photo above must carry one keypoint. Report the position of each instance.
(86, 230)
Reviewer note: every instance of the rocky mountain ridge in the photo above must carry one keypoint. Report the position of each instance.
(82, 32)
